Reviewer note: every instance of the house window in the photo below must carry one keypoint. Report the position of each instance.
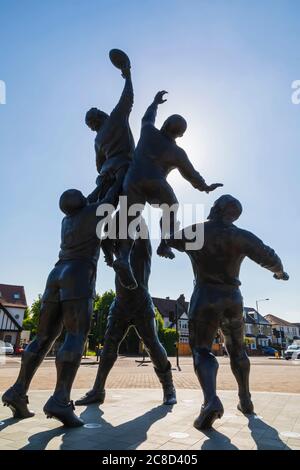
(16, 296)
(184, 339)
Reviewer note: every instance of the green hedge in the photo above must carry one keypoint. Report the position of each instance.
(169, 338)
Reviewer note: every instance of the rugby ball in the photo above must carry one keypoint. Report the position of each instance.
(119, 59)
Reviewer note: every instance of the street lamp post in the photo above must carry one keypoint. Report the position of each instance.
(257, 302)
(260, 300)
(177, 339)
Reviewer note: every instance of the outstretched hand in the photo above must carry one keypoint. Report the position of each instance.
(159, 97)
(282, 276)
(212, 187)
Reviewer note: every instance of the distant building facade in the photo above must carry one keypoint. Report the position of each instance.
(258, 330)
(283, 332)
(169, 308)
(12, 308)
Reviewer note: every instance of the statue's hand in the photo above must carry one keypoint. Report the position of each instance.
(212, 187)
(126, 71)
(159, 97)
(282, 276)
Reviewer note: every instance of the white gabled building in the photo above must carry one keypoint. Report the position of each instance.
(12, 308)
(284, 332)
(167, 308)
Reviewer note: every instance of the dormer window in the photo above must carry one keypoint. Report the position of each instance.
(16, 296)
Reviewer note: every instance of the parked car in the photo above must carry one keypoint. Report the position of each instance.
(268, 351)
(292, 352)
(19, 350)
(6, 348)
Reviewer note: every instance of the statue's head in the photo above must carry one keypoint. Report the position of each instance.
(95, 119)
(72, 201)
(226, 209)
(174, 126)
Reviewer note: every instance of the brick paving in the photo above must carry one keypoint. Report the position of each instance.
(266, 375)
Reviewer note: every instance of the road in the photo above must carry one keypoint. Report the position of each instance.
(267, 374)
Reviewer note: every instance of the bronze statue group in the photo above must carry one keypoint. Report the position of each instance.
(139, 173)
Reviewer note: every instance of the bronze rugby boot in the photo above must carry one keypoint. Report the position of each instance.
(63, 412)
(17, 403)
(92, 396)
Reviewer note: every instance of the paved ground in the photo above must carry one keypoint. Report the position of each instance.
(134, 419)
(271, 375)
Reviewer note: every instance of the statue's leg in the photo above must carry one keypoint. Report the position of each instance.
(233, 330)
(168, 222)
(122, 264)
(202, 330)
(116, 330)
(103, 184)
(49, 328)
(146, 330)
(77, 316)
(115, 187)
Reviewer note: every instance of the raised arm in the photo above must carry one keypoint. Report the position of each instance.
(263, 255)
(150, 115)
(125, 103)
(187, 170)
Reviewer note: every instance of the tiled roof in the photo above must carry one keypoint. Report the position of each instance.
(167, 305)
(258, 318)
(278, 321)
(12, 296)
(249, 319)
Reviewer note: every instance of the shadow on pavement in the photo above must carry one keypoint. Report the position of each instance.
(127, 435)
(217, 440)
(8, 422)
(265, 436)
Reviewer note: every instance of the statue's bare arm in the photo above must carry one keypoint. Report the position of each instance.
(125, 103)
(263, 255)
(189, 173)
(150, 115)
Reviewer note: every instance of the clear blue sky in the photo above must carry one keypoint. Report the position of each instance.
(228, 67)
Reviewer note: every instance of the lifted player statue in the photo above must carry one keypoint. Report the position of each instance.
(155, 156)
(114, 143)
(67, 302)
(133, 308)
(217, 301)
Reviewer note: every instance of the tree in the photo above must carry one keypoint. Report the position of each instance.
(101, 308)
(32, 315)
(167, 336)
(170, 338)
(159, 321)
